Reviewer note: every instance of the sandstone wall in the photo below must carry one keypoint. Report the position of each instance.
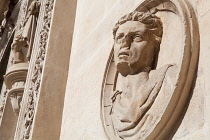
(92, 44)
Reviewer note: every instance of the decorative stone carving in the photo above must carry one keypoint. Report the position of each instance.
(16, 98)
(11, 9)
(137, 38)
(7, 16)
(3, 23)
(18, 43)
(16, 75)
(2, 105)
(15, 81)
(25, 36)
(4, 17)
(139, 100)
(6, 36)
(30, 98)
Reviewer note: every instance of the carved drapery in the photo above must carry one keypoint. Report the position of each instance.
(30, 98)
(6, 34)
(3, 16)
(6, 38)
(24, 37)
(7, 9)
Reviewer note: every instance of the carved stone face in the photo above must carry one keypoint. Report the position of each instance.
(133, 48)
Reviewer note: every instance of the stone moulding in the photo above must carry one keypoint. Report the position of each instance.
(15, 81)
(31, 93)
(16, 73)
(5, 43)
(16, 98)
(2, 105)
(186, 71)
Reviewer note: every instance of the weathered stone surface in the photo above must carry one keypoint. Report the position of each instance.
(83, 84)
(92, 45)
(47, 124)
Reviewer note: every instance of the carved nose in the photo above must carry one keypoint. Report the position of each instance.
(126, 42)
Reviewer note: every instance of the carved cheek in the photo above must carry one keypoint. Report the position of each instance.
(116, 48)
(142, 46)
(137, 47)
(116, 51)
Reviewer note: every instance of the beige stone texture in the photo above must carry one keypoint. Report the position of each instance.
(47, 123)
(74, 89)
(9, 122)
(92, 44)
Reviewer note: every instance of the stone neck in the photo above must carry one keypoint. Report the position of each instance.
(131, 83)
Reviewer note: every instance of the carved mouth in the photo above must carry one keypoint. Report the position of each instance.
(123, 54)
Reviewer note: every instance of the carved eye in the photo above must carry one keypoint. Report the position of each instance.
(120, 36)
(137, 38)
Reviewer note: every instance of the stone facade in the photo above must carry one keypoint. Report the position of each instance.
(104, 69)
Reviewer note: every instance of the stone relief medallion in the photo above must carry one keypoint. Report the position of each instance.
(150, 71)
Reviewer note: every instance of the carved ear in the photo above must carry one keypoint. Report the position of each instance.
(157, 28)
(157, 49)
(157, 31)
(157, 38)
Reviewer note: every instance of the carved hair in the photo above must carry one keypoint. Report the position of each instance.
(152, 22)
(18, 37)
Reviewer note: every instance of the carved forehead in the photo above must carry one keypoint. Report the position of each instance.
(132, 26)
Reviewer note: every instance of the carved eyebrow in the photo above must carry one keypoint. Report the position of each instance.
(140, 32)
(119, 34)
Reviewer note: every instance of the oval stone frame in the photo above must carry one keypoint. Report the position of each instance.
(186, 74)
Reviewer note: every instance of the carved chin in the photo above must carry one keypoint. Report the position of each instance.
(124, 68)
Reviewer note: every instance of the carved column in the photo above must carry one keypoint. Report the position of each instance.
(32, 87)
(15, 81)
(16, 75)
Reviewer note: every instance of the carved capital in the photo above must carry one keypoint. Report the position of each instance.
(15, 81)
(16, 98)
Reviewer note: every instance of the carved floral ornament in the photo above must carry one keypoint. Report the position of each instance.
(16, 74)
(150, 71)
(28, 110)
